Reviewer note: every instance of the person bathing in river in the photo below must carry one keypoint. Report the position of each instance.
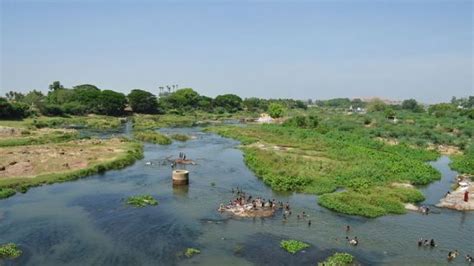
(420, 242)
(432, 243)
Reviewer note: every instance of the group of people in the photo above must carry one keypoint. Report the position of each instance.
(424, 209)
(242, 199)
(182, 156)
(426, 243)
(451, 254)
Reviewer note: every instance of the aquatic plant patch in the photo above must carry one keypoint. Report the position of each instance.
(293, 246)
(191, 252)
(338, 259)
(6, 192)
(142, 201)
(180, 137)
(9, 251)
(152, 136)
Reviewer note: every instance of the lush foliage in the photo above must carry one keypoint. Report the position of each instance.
(275, 110)
(300, 121)
(230, 102)
(12, 110)
(464, 163)
(142, 201)
(143, 102)
(293, 246)
(6, 192)
(9, 251)
(338, 259)
(297, 159)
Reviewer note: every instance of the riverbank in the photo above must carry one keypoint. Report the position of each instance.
(455, 199)
(22, 167)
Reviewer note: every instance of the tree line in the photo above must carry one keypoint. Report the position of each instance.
(89, 99)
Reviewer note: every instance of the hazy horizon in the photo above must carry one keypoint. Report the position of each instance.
(301, 50)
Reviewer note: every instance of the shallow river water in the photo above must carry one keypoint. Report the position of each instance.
(85, 222)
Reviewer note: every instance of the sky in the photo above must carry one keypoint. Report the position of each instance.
(420, 49)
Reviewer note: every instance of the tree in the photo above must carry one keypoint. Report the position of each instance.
(230, 102)
(255, 104)
(205, 103)
(275, 110)
(87, 95)
(60, 96)
(376, 105)
(13, 110)
(14, 96)
(143, 102)
(111, 103)
(56, 85)
(182, 99)
(34, 98)
(412, 105)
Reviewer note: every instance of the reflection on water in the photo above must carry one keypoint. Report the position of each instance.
(86, 222)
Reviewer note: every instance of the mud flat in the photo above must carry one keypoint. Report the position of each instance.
(32, 165)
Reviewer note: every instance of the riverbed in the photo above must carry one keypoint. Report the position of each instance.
(86, 222)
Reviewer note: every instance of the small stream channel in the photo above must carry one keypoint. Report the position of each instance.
(85, 222)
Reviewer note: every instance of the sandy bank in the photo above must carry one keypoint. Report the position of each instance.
(455, 199)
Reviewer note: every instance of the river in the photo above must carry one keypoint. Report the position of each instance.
(85, 222)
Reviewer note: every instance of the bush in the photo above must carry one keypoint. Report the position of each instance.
(51, 110)
(15, 110)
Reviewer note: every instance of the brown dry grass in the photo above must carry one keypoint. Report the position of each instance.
(33, 160)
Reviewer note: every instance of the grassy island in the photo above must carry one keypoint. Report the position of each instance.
(142, 201)
(293, 246)
(367, 170)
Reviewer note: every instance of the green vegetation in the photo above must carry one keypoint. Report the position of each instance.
(275, 110)
(6, 192)
(464, 163)
(180, 137)
(142, 201)
(9, 251)
(152, 136)
(191, 252)
(299, 159)
(34, 137)
(143, 102)
(338, 259)
(293, 246)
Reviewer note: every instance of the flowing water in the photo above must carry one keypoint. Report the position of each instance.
(85, 222)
